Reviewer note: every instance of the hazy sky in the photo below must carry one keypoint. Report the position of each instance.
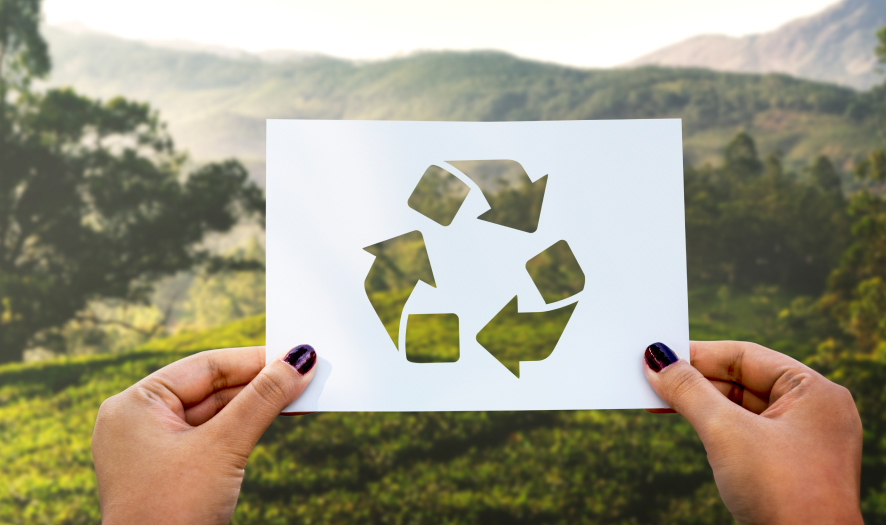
(584, 33)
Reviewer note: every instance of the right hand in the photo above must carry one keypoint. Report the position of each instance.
(784, 442)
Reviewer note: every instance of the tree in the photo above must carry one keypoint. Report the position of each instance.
(740, 159)
(880, 50)
(23, 52)
(855, 298)
(94, 198)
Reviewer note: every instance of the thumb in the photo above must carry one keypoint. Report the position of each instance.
(280, 382)
(687, 391)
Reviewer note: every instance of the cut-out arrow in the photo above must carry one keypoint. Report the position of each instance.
(556, 273)
(512, 336)
(514, 200)
(399, 264)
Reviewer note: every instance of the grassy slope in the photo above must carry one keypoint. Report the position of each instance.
(594, 466)
(47, 411)
(217, 106)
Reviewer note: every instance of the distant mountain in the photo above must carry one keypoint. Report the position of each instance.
(216, 106)
(835, 45)
(274, 55)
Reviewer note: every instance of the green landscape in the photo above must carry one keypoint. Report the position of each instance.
(121, 253)
(217, 106)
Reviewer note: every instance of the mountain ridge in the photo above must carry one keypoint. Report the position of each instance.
(835, 45)
(216, 107)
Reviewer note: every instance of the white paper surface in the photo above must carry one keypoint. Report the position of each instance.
(614, 193)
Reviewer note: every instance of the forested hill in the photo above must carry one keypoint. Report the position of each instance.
(217, 106)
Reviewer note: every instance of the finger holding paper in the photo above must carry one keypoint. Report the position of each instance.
(784, 442)
(173, 446)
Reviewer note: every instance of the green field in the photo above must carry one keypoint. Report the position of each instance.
(475, 467)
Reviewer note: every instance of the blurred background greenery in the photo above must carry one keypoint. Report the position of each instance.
(121, 252)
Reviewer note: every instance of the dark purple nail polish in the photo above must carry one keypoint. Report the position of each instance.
(658, 356)
(302, 358)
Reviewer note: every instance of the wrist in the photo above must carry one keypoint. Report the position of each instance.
(825, 504)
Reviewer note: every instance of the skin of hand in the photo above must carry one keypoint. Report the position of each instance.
(784, 442)
(172, 447)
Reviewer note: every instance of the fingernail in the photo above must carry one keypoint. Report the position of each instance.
(302, 358)
(658, 356)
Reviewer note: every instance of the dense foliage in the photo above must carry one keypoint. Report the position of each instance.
(23, 52)
(750, 222)
(848, 323)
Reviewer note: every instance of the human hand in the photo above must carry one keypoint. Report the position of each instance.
(172, 447)
(784, 442)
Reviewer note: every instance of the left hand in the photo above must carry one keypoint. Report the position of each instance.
(172, 447)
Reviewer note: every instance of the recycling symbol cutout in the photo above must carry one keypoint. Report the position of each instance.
(511, 336)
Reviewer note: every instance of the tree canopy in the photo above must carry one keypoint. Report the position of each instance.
(23, 52)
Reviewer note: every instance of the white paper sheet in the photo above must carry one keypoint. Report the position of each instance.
(614, 192)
